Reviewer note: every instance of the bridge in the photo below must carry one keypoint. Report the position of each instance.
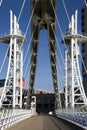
(73, 114)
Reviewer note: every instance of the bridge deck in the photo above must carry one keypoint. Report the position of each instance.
(43, 122)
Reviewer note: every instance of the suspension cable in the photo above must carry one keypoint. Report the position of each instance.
(57, 61)
(27, 75)
(24, 34)
(30, 39)
(58, 24)
(61, 97)
(58, 43)
(21, 10)
(25, 72)
(27, 51)
(4, 60)
(26, 31)
(60, 54)
(60, 71)
(58, 46)
(30, 19)
(26, 69)
(66, 11)
(8, 46)
(62, 35)
(61, 74)
(69, 22)
(85, 2)
(0, 2)
(27, 80)
(28, 47)
(83, 63)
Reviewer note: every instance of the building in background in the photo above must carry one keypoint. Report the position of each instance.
(2, 82)
(45, 101)
(84, 46)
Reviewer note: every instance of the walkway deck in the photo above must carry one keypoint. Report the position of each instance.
(43, 122)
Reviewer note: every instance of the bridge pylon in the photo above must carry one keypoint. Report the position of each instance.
(75, 96)
(12, 91)
(43, 18)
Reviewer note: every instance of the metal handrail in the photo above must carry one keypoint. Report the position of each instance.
(77, 118)
(12, 116)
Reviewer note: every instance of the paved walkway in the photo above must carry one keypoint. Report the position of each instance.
(42, 122)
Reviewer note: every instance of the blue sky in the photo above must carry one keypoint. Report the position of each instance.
(43, 73)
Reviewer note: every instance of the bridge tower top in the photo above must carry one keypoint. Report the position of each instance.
(12, 92)
(14, 31)
(74, 91)
(43, 12)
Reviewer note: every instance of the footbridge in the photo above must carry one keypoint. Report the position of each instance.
(18, 109)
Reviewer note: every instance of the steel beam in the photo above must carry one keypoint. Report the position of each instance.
(43, 18)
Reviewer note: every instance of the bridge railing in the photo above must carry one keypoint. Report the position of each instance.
(77, 118)
(10, 117)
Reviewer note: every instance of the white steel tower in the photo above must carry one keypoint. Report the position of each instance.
(74, 91)
(12, 91)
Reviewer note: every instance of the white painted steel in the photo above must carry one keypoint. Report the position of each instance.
(13, 82)
(11, 116)
(66, 80)
(72, 62)
(14, 63)
(77, 118)
(21, 76)
(74, 91)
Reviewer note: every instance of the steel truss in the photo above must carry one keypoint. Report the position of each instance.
(12, 91)
(43, 18)
(74, 91)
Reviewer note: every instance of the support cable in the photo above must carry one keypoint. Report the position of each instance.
(26, 70)
(58, 46)
(67, 14)
(28, 48)
(30, 20)
(27, 51)
(69, 22)
(30, 38)
(60, 54)
(21, 10)
(27, 74)
(61, 97)
(62, 35)
(58, 24)
(24, 34)
(85, 2)
(27, 78)
(26, 31)
(1, 2)
(60, 73)
(4, 60)
(57, 61)
(83, 63)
